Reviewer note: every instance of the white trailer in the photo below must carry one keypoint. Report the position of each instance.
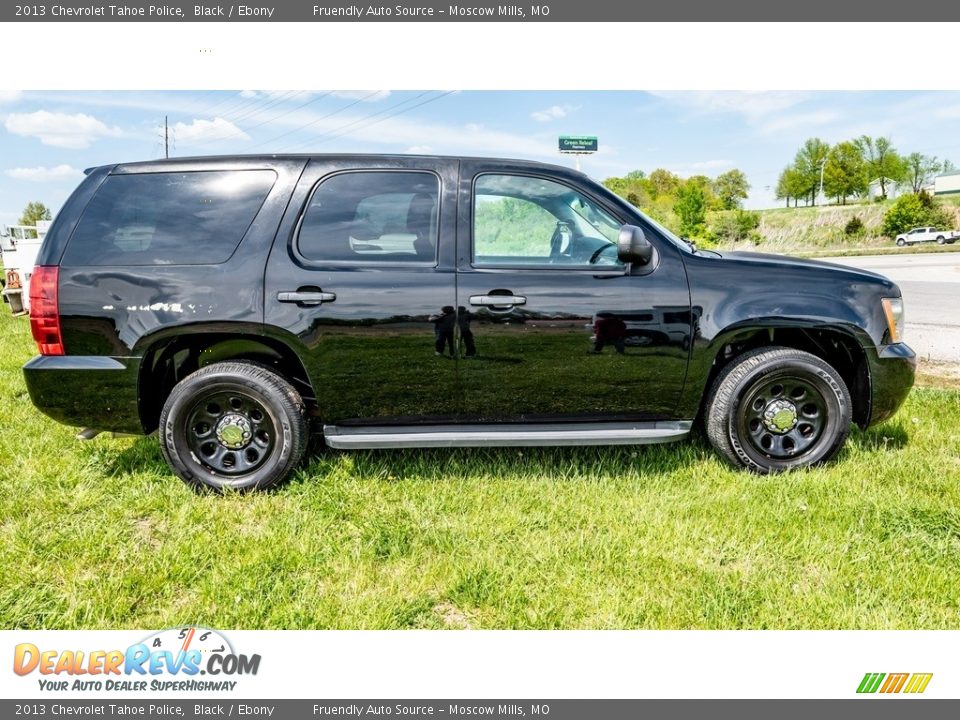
(20, 246)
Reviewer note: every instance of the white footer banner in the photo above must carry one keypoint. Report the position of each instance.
(193, 661)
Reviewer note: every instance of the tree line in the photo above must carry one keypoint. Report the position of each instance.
(696, 207)
(845, 170)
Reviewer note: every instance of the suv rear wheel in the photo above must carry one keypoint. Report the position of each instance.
(778, 408)
(235, 425)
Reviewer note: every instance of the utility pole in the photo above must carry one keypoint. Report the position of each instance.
(166, 143)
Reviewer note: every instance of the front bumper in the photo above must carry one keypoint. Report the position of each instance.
(86, 390)
(892, 370)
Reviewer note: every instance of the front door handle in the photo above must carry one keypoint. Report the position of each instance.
(306, 297)
(498, 300)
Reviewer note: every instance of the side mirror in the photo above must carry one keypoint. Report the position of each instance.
(633, 246)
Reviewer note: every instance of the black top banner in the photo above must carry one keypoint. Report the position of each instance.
(473, 11)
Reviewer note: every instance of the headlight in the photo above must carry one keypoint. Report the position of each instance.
(893, 309)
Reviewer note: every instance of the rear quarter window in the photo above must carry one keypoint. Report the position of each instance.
(191, 218)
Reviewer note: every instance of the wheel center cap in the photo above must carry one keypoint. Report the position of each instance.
(233, 431)
(780, 416)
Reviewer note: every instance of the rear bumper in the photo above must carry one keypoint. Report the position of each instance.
(892, 371)
(86, 390)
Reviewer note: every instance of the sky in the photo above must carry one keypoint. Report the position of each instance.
(48, 138)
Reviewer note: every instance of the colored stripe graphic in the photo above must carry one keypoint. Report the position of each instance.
(894, 683)
(870, 682)
(918, 682)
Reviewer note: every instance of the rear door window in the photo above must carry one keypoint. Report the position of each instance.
(363, 217)
(191, 218)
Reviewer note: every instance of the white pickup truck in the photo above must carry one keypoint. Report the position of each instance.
(928, 234)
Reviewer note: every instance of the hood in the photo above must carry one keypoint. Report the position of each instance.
(786, 262)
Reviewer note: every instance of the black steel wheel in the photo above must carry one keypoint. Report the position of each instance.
(234, 425)
(774, 409)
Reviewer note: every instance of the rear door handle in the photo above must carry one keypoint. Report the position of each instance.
(498, 300)
(306, 297)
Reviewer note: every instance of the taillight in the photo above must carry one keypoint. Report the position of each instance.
(45, 310)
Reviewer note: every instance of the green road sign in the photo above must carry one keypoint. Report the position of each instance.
(578, 143)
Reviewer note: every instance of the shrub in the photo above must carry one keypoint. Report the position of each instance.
(910, 211)
(854, 226)
(737, 226)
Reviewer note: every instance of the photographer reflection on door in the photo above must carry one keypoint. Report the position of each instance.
(609, 329)
(466, 334)
(444, 325)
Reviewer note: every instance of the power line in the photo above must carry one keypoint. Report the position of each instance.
(271, 119)
(375, 122)
(314, 122)
(360, 120)
(271, 102)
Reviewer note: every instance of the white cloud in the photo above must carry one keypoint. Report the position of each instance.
(365, 95)
(554, 112)
(419, 150)
(207, 131)
(9, 96)
(701, 167)
(711, 164)
(76, 131)
(248, 93)
(817, 118)
(753, 105)
(948, 113)
(45, 174)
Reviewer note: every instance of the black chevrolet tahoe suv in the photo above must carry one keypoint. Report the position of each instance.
(237, 303)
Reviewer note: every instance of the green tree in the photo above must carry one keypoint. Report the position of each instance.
(882, 160)
(691, 209)
(663, 182)
(914, 210)
(921, 169)
(34, 211)
(731, 188)
(811, 155)
(949, 167)
(845, 173)
(789, 185)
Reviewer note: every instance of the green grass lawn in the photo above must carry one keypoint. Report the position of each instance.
(100, 535)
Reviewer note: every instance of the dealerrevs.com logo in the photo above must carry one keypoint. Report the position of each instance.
(169, 660)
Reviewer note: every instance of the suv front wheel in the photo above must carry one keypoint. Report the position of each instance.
(778, 408)
(233, 425)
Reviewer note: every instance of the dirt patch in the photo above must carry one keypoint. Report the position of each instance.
(452, 616)
(146, 531)
(942, 375)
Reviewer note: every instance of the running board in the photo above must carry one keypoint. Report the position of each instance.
(505, 434)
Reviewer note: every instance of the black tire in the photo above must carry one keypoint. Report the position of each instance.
(941, 240)
(776, 409)
(901, 242)
(233, 425)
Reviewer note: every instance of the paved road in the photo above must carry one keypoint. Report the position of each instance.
(931, 296)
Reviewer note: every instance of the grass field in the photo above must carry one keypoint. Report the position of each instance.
(100, 535)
